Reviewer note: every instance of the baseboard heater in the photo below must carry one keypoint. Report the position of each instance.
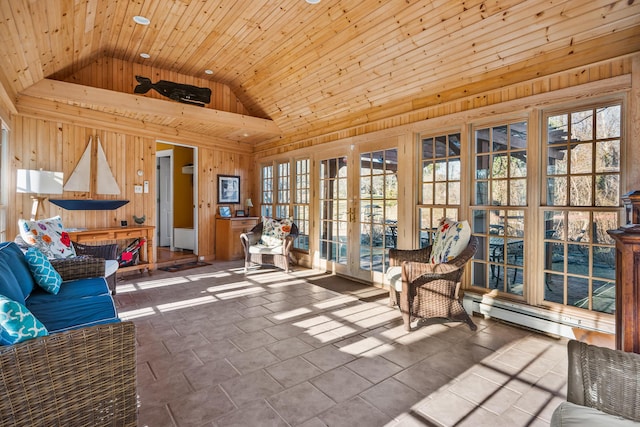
(532, 317)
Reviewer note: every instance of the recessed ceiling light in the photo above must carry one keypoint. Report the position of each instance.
(208, 71)
(313, 1)
(145, 55)
(141, 20)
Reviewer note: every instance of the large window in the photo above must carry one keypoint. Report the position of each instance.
(439, 183)
(581, 198)
(285, 193)
(499, 211)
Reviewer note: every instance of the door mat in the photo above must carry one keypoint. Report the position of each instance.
(187, 266)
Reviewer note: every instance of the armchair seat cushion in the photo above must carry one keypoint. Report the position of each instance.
(571, 415)
(110, 267)
(394, 276)
(264, 249)
(71, 289)
(66, 314)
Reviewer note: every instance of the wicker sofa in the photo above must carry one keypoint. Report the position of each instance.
(84, 371)
(603, 388)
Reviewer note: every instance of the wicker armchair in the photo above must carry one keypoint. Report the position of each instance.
(281, 257)
(84, 377)
(430, 290)
(106, 252)
(600, 379)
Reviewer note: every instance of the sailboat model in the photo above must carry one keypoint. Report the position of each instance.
(80, 181)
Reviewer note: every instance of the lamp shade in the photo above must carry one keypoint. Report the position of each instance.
(39, 182)
(249, 203)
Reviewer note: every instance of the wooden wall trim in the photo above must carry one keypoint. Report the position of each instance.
(76, 94)
(52, 110)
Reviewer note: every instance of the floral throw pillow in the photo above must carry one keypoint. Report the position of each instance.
(48, 235)
(274, 231)
(451, 239)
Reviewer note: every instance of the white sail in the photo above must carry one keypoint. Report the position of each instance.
(106, 183)
(80, 179)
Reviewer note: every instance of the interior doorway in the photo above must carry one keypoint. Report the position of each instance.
(176, 192)
(164, 166)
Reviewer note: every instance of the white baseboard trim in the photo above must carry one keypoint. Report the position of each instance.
(532, 317)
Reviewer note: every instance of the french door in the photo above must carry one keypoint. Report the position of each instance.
(358, 212)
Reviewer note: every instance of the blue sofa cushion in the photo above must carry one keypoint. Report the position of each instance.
(14, 258)
(43, 272)
(65, 314)
(17, 324)
(71, 289)
(9, 286)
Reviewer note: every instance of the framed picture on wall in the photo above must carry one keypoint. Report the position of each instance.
(228, 189)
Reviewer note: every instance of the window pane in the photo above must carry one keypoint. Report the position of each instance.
(608, 122)
(608, 156)
(607, 190)
(582, 158)
(518, 192)
(557, 160)
(557, 129)
(482, 167)
(557, 191)
(518, 164)
(582, 126)
(581, 191)
(499, 138)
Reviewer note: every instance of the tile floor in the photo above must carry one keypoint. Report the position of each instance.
(217, 347)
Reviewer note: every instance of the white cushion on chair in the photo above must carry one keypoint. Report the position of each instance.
(110, 267)
(571, 415)
(394, 276)
(266, 250)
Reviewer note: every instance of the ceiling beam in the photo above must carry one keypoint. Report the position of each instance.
(74, 94)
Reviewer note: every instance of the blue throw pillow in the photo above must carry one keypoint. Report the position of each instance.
(43, 272)
(17, 324)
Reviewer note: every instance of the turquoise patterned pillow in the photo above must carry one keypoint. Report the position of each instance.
(48, 235)
(42, 271)
(17, 324)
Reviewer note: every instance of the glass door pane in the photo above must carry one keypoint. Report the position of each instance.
(334, 215)
(378, 208)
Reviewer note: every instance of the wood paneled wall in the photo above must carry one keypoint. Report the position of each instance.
(50, 145)
(458, 100)
(118, 75)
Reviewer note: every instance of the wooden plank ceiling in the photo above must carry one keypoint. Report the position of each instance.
(310, 69)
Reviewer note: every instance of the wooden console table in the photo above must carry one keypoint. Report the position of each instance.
(95, 235)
